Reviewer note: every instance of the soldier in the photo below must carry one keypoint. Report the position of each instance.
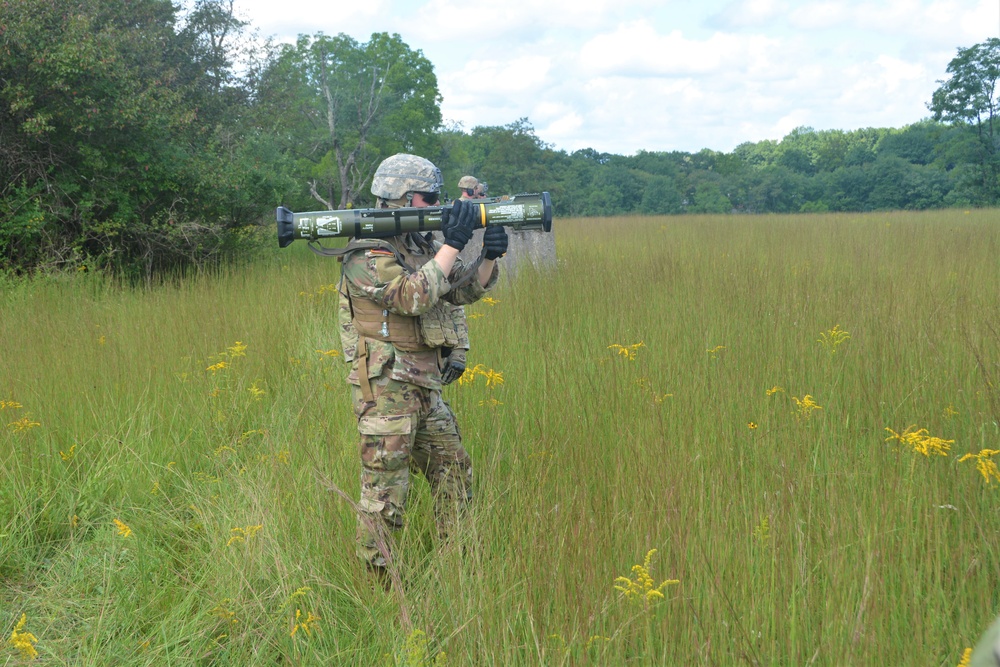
(467, 187)
(398, 329)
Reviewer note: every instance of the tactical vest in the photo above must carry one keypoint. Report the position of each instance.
(437, 327)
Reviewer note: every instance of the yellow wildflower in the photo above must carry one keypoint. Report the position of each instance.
(255, 391)
(950, 412)
(217, 367)
(628, 351)
(123, 529)
(489, 301)
(920, 441)
(23, 424)
(641, 588)
(469, 376)
(304, 624)
(713, 352)
(751, 425)
(10, 405)
(242, 534)
(806, 406)
(774, 390)
(967, 653)
(328, 353)
(24, 641)
(833, 338)
(493, 378)
(984, 464)
(763, 530)
(68, 456)
(222, 612)
(238, 349)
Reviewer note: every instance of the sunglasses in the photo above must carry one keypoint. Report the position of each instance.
(430, 198)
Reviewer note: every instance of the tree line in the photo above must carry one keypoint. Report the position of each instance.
(138, 137)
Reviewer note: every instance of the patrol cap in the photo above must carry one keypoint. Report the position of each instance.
(402, 173)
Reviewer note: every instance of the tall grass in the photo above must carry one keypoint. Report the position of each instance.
(653, 397)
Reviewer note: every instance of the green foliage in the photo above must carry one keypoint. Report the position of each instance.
(971, 97)
(140, 139)
(115, 131)
(341, 106)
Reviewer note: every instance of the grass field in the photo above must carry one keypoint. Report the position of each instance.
(798, 414)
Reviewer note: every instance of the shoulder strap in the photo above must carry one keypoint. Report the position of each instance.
(360, 244)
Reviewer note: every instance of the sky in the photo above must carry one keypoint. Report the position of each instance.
(621, 76)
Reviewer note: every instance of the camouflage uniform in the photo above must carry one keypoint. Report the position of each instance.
(397, 323)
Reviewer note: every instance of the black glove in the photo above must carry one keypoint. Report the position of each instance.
(495, 241)
(457, 222)
(454, 366)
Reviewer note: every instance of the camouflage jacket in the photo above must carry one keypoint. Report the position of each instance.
(369, 272)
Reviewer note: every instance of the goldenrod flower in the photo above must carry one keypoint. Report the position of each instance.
(416, 652)
(493, 378)
(305, 624)
(984, 464)
(68, 456)
(242, 534)
(222, 612)
(967, 653)
(469, 376)
(713, 352)
(328, 353)
(23, 641)
(10, 405)
(833, 338)
(123, 529)
(255, 391)
(774, 390)
(628, 351)
(217, 367)
(920, 441)
(806, 406)
(489, 301)
(641, 588)
(238, 349)
(950, 412)
(763, 530)
(23, 424)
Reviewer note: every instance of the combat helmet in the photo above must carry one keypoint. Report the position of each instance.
(468, 182)
(403, 174)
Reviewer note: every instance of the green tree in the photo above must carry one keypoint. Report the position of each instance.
(970, 97)
(117, 147)
(342, 106)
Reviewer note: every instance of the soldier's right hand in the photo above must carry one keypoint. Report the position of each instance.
(457, 223)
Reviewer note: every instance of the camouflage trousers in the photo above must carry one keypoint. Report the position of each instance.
(407, 428)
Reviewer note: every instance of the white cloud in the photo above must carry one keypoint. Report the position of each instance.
(637, 49)
(624, 75)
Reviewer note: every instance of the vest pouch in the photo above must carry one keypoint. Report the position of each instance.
(438, 327)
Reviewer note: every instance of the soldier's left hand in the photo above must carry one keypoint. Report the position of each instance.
(495, 241)
(454, 367)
